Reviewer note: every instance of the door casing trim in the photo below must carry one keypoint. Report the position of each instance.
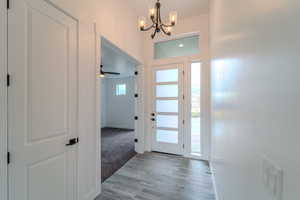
(3, 103)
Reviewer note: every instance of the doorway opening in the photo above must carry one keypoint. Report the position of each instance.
(117, 108)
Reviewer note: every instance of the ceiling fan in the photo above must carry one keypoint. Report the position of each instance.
(102, 73)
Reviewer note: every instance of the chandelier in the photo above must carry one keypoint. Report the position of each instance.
(157, 25)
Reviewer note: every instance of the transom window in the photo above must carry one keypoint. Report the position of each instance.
(185, 46)
(120, 89)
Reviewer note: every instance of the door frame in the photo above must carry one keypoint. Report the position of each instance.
(3, 103)
(181, 113)
(187, 61)
(139, 110)
(139, 101)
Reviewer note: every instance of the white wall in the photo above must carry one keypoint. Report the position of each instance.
(119, 109)
(198, 24)
(116, 21)
(256, 95)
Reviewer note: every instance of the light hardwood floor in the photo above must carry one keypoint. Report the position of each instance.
(154, 176)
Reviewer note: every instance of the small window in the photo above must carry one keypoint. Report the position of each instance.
(121, 89)
(179, 47)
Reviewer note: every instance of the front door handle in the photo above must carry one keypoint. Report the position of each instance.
(73, 141)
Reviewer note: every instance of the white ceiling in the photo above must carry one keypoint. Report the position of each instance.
(115, 60)
(185, 8)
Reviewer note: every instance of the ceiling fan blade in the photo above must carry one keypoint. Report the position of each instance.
(114, 73)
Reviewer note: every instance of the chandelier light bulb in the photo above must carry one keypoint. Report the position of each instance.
(173, 17)
(142, 22)
(152, 12)
(169, 29)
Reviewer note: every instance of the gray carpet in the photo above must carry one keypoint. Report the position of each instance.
(117, 147)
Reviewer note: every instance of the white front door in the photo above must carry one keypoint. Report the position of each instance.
(42, 63)
(167, 113)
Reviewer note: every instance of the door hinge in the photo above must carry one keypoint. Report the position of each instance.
(8, 158)
(183, 97)
(183, 121)
(182, 145)
(8, 80)
(8, 4)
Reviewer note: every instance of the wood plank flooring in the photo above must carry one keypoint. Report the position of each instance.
(154, 176)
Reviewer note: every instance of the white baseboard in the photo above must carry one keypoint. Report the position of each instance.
(214, 183)
(93, 196)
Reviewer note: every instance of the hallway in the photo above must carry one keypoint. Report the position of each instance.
(149, 100)
(154, 176)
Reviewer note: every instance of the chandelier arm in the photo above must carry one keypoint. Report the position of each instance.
(147, 29)
(157, 5)
(164, 31)
(152, 19)
(159, 17)
(167, 25)
(153, 35)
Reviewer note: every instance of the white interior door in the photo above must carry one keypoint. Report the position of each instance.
(167, 115)
(42, 57)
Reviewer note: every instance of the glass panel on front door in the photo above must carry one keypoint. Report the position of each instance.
(169, 106)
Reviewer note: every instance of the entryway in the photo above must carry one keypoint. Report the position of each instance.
(176, 105)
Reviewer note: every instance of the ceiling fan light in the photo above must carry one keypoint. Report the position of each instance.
(101, 75)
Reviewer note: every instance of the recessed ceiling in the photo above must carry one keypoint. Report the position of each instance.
(185, 8)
